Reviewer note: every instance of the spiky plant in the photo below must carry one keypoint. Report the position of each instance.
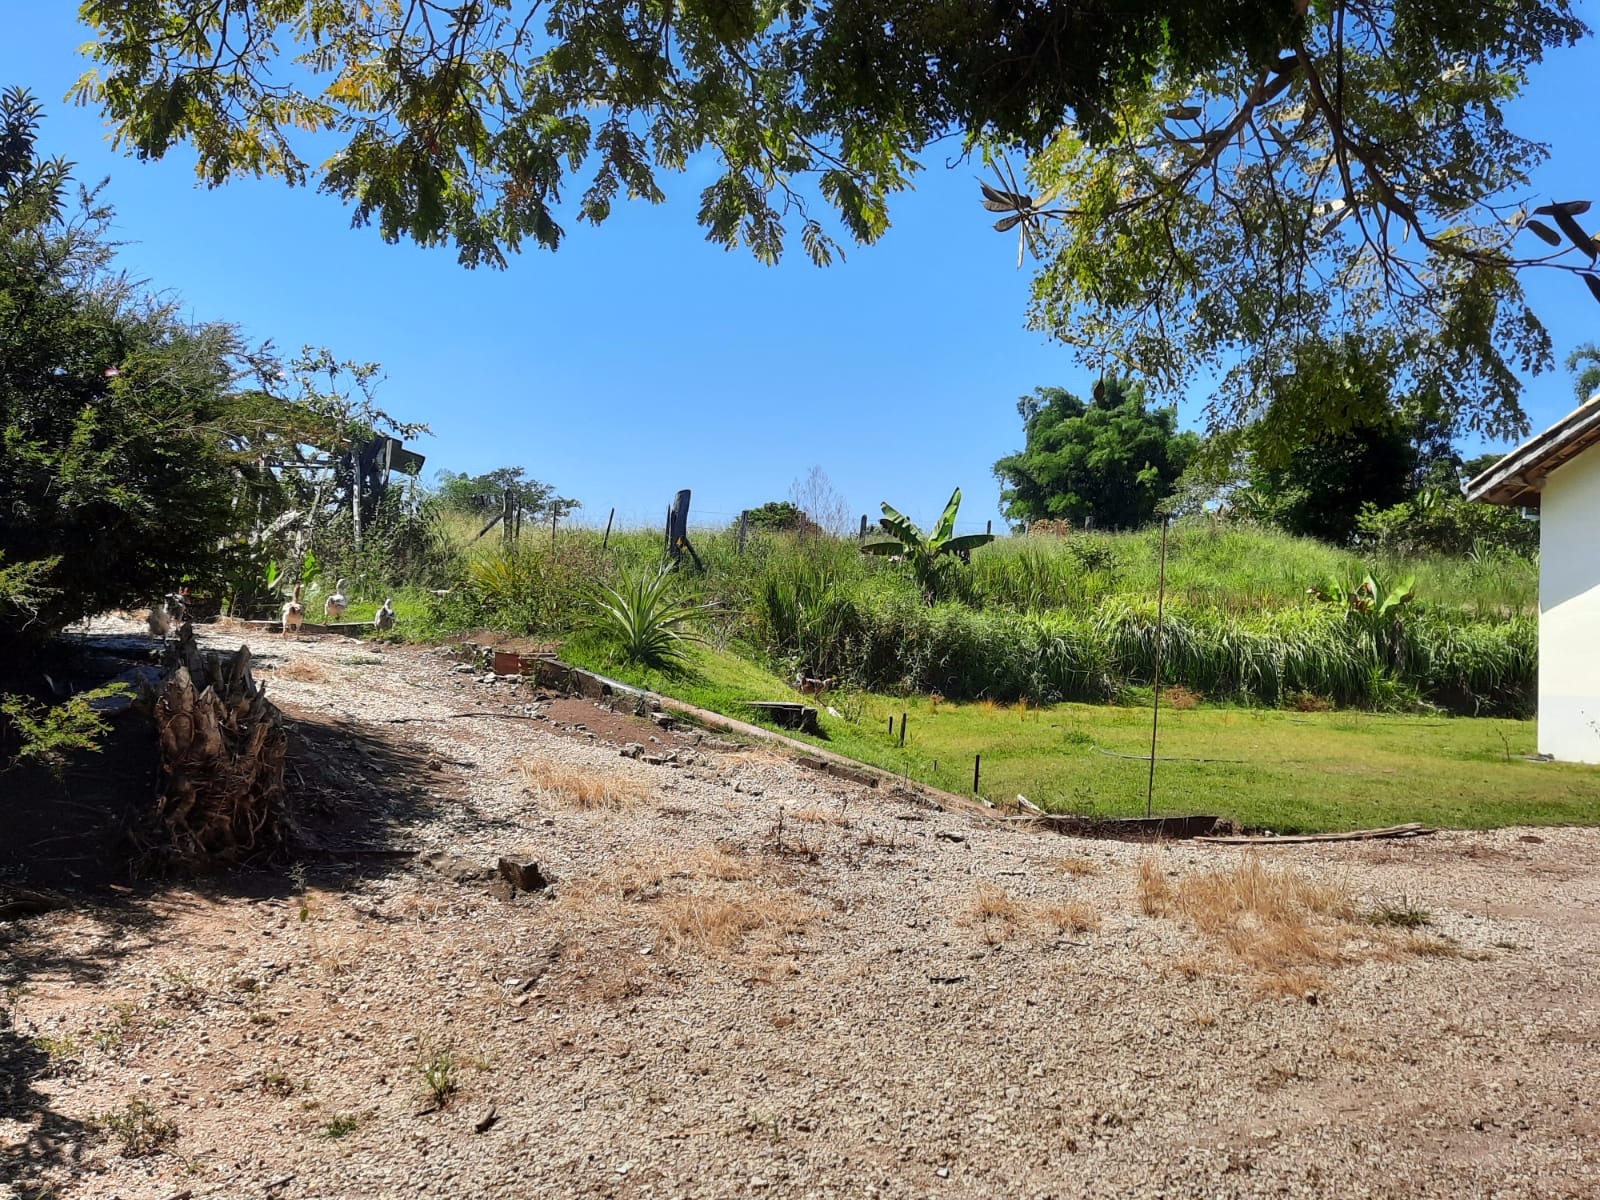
(649, 624)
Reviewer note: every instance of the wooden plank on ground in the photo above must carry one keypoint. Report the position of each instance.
(1409, 830)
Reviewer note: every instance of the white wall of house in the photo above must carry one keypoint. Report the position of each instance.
(1569, 610)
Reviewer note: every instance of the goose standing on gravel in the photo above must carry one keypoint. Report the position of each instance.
(337, 603)
(294, 613)
(383, 619)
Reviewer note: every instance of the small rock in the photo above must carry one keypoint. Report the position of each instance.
(485, 1120)
(631, 750)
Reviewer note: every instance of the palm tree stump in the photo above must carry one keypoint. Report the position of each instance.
(222, 757)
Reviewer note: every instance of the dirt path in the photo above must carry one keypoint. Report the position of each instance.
(750, 979)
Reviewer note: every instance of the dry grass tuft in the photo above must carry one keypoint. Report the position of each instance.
(1077, 866)
(711, 923)
(1155, 897)
(1296, 982)
(578, 788)
(1272, 920)
(823, 816)
(1181, 698)
(302, 669)
(992, 903)
(720, 863)
(1072, 916)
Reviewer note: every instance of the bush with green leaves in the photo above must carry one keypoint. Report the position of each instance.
(51, 734)
(1433, 521)
(932, 555)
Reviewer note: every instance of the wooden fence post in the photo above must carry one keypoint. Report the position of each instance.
(744, 528)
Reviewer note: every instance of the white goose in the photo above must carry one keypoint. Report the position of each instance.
(384, 618)
(337, 603)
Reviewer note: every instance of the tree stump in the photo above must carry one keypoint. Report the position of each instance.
(222, 756)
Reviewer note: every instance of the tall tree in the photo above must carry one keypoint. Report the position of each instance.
(1111, 461)
(116, 476)
(1361, 188)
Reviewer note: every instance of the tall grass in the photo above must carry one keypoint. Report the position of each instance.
(1052, 618)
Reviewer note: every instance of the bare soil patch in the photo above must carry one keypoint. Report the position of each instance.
(754, 979)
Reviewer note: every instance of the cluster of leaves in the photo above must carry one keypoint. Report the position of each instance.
(1109, 463)
(1375, 607)
(1221, 185)
(778, 516)
(51, 734)
(1341, 220)
(931, 554)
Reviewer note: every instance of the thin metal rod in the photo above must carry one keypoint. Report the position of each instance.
(1155, 709)
(606, 541)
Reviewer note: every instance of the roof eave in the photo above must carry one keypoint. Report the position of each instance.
(1519, 477)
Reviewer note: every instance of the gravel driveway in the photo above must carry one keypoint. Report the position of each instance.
(750, 979)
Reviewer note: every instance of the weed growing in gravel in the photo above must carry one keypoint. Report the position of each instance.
(183, 988)
(718, 923)
(1402, 915)
(1072, 916)
(578, 788)
(58, 1050)
(341, 1125)
(277, 1083)
(116, 1033)
(437, 1070)
(1155, 897)
(1077, 866)
(139, 1128)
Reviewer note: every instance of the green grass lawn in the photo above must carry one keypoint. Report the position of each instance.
(1284, 771)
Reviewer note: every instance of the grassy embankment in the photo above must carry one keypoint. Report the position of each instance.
(1281, 770)
(1046, 618)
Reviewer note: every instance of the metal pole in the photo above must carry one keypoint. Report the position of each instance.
(902, 729)
(552, 530)
(605, 541)
(977, 762)
(1155, 709)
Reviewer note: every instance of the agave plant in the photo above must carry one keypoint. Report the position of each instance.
(926, 552)
(649, 624)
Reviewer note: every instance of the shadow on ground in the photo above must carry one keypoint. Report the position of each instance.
(73, 847)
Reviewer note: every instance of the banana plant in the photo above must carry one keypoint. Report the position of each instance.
(928, 553)
(1375, 607)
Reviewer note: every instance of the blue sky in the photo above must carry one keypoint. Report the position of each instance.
(639, 358)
